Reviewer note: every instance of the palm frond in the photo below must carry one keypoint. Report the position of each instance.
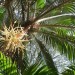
(6, 66)
(40, 20)
(64, 42)
(52, 6)
(47, 56)
(58, 26)
(37, 69)
(70, 71)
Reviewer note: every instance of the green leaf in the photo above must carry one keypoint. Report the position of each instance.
(6, 66)
(37, 69)
(2, 10)
(47, 56)
(40, 3)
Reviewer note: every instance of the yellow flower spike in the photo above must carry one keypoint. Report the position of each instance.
(14, 38)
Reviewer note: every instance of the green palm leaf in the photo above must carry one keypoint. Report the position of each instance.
(6, 66)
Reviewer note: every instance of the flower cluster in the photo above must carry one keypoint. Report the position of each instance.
(12, 38)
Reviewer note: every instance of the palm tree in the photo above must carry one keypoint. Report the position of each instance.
(30, 28)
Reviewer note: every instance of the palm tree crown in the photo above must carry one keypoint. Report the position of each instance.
(31, 29)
